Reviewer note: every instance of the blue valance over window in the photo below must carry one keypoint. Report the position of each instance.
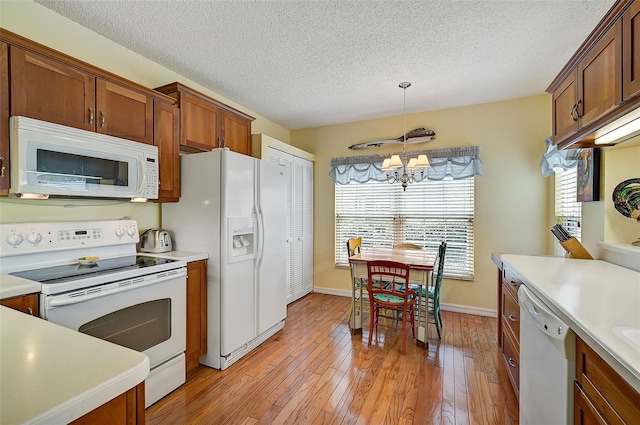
(553, 158)
(458, 163)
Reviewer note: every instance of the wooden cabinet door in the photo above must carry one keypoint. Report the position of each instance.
(600, 76)
(196, 313)
(236, 133)
(199, 123)
(5, 172)
(125, 113)
(584, 412)
(631, 53)
(564, 103)
(48, 90)
(26, 304)
(166, 138)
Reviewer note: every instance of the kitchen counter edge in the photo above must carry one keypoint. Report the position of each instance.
(593, 338)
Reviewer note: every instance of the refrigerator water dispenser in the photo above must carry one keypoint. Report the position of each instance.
(241, 243)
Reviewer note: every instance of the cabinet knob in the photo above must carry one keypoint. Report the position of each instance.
(91, 116)
(513, 318)
(30, 310)
(3, 168)
(102, 119)
(512, 362)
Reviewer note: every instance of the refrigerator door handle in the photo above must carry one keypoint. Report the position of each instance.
(260, 235)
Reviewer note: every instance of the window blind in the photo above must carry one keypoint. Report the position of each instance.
(426, 214)
(568, 212)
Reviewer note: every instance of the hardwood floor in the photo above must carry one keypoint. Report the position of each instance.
(315, 372)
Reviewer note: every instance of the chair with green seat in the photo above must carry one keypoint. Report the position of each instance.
(392, 300)
(433, 292)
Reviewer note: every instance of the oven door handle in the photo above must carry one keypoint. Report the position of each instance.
(58, 302)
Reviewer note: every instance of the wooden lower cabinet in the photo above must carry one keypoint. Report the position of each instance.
(25, 303)
(584, 412)
(602, 396)
(509, 326)
(196, 313)
(125, 409)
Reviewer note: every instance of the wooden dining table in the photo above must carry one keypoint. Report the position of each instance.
(420, 264)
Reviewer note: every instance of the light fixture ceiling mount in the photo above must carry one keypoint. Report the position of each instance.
(402, 168)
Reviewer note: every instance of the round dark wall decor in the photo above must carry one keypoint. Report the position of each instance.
(626, 198)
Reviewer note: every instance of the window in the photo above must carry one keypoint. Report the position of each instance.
(426, 214)
(568, 212)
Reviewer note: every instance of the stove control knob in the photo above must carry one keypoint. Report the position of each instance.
(119, 232)
(131, 231)
(14, 239)
(34, 238)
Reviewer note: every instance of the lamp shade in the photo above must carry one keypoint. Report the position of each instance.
(385, 164)
(412, 164)
(422, 161)
(395, 161)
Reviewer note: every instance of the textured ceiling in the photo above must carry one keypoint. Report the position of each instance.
(312, 63)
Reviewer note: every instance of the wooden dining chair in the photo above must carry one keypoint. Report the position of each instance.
(391, 301)
(353, 247)
(433, 291)
(407, 245)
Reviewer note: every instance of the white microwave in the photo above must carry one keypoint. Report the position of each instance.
(51, 159)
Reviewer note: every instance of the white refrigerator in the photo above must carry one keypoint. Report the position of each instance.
(232, 207)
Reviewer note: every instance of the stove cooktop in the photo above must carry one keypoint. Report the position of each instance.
(102, 271)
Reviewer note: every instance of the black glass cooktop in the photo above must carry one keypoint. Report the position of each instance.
(78, 271)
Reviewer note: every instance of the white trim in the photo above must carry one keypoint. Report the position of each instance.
(332, 291)
(465, 309)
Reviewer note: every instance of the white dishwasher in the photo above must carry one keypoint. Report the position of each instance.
(547, 364)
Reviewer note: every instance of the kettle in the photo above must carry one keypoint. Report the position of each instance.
(155, 240)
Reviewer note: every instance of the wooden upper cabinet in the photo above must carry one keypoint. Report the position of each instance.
(199, 123)
(565, 103)
(600, 77)
(48, 90)
(631, 51)
(166, 126)
(5, 172)
(601, 82)
(236, 133)
(123, 112)
(206, 123)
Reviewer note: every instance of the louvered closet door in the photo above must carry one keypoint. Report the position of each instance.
(298, 228)
(307, 225)
(286, 162)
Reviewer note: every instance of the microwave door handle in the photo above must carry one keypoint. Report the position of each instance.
(82, 298)
(142, 177)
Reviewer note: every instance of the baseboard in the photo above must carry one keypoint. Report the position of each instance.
(331, 291)
(478, 311)
(456, 308)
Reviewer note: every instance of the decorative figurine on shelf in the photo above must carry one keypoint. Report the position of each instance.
(626, 199)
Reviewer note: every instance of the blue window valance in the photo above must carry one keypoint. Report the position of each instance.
(458, 163)
(552, 158)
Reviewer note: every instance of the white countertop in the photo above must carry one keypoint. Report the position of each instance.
(53, 375)
(600, 301)
(12, 286)
(186, 256)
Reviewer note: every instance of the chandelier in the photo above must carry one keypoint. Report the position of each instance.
(402, 169)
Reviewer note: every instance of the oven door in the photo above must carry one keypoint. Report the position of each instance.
(149, 317)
